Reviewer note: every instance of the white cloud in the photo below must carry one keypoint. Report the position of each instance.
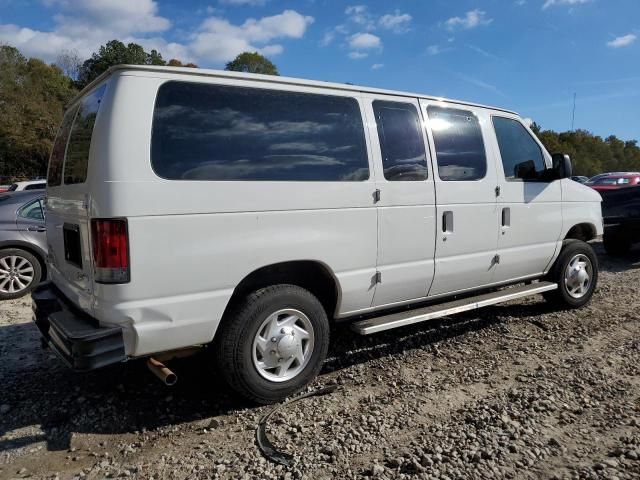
(116, 16)
(358, 55)
(397, 22)
(434, 50)
(360, 15)
(479, 83)
(361, 44)
(377, 66)
(244, 2)
(218, 40)
(472, 19)
(364, 41)
(623, 41)
(84, 25)
(552, 3)
(328, 38)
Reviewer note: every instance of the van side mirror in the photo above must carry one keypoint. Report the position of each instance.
(561, 165)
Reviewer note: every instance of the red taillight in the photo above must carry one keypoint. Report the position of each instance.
(110, 250)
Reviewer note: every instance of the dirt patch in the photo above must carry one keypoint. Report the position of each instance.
(513, 391)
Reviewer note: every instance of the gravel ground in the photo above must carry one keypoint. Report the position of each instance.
(514, 391)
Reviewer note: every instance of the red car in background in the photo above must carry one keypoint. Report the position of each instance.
(614, 182)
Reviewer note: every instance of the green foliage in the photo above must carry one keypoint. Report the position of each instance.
(590, 154)
(33, 96)
(117, 53)
(252, 62)
(177, 63)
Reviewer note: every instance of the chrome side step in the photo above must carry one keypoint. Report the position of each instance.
(402, 319)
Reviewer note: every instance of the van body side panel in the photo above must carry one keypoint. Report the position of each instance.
(192, 242)
(466, 213)
(406, 221)
(67, 213)
(530, 230)
(580, 204)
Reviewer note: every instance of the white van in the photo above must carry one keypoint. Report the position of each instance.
(244, 213)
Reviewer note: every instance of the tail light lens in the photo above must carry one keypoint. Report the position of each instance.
(110, 240)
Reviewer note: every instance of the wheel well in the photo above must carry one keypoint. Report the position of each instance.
(582, 231)
(310, 275)
(32, 251)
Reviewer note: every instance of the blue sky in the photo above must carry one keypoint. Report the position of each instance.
(526, 55)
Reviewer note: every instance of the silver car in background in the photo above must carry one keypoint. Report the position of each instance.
(23, 244)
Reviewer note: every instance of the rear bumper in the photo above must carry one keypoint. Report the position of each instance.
(77, 338)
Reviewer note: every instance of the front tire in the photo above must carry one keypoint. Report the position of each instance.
(273, 344)
(576, 273)
(20, 272)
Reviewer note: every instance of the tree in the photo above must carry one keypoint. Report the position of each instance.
(252, 62)
(590, 154)
(177, 63)
(70, 63)
(115, 53)
(33, 96)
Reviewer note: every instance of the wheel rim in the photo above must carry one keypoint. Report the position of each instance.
(283, 345)
(578, 275)
(16, 274)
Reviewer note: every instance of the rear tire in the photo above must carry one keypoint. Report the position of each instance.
(20, 272)
(273, 343)
(576, 273)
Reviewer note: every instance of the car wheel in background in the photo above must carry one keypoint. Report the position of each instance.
(20, 272)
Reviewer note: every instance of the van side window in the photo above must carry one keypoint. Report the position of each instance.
(401, 141)
(214, 132)
(522, 158)
(77, 157)
(459, 145)
(54, 175)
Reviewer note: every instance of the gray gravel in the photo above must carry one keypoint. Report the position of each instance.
(513, 391)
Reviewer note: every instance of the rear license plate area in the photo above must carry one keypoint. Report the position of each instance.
(72, 245)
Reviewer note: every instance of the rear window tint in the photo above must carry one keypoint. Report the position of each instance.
(54, 176)
(401, 141)
(77, 157)
(212, 132)
(459, 145)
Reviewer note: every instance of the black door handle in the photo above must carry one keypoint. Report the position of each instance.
(37, 229)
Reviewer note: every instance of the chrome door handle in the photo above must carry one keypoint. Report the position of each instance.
(506, 217)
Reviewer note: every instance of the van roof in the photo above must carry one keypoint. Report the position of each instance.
(203, 72)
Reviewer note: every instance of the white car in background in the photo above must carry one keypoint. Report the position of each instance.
(28, 185)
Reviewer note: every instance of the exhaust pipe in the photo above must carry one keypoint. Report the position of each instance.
(162, 372)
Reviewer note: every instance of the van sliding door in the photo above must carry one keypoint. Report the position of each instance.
(465, 185)
(406, 201)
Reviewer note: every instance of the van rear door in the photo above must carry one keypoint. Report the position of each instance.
(67, 203)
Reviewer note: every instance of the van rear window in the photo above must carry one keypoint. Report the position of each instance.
(77, 157)
(54, 176)
(213, 132)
